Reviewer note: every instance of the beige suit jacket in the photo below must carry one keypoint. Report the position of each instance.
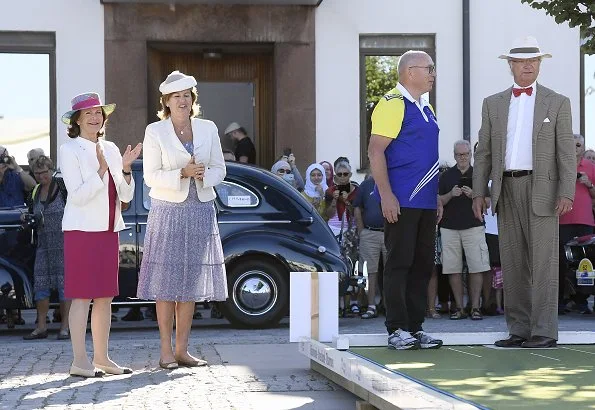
(554, 155)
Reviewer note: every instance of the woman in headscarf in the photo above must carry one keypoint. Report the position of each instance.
(315, 187)
(283, 170)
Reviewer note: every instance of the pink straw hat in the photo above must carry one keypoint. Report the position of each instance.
(85, 101)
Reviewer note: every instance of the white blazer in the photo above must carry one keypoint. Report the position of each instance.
(87, 204)
(164, 156)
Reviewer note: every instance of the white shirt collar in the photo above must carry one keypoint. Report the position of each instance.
(422, 101)
(515, 85)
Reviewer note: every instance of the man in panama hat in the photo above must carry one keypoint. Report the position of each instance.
(526, 148)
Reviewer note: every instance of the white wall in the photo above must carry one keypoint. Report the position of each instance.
(494, 26)
(79, 43)
(340, 22)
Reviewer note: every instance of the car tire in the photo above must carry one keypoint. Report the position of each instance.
(258, 293)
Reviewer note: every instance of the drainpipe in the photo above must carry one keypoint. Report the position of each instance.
(466, 75)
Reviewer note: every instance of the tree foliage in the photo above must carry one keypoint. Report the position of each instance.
(381, 77)
(576, 13)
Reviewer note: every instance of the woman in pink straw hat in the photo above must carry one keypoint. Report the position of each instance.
(97, 178)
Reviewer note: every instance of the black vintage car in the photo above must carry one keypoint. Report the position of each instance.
(267, 229)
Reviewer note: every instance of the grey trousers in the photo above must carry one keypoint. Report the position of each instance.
(529, 256)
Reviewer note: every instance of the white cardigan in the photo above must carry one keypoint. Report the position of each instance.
(164, 156)
(87, 204)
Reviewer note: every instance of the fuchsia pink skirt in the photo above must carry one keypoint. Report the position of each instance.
(91, 259)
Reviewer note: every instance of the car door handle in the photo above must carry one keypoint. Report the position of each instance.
(305, 221)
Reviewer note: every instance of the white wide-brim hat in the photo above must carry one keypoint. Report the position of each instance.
(524, 48)
(176, 81)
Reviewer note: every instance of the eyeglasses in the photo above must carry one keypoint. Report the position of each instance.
(430, 68)
(343, 174)
(464, 154)
(284, 171)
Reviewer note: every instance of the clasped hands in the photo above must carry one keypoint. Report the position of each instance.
(457, 191)
(194, 170)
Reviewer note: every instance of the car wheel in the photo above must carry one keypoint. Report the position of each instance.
(258, 294)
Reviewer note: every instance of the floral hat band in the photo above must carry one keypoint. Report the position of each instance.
(86, 101)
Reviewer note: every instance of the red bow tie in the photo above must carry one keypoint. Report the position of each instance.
(518, 91)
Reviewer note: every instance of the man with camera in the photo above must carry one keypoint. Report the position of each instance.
(462, 232)
(14, 181)
(579, 221)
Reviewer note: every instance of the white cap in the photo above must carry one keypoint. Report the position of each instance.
(232, 127)
(176, 81)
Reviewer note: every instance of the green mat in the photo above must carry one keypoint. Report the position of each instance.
(562, 378)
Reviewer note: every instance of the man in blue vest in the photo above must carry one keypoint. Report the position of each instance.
(403, 154)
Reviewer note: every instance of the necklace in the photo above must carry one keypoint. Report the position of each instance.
(183, 129)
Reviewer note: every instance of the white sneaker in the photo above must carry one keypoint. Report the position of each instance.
(402, 340)
(426, 341)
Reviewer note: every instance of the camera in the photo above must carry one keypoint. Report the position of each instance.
(33, 220)
(344, 188)
(5, 159)
(287, 152)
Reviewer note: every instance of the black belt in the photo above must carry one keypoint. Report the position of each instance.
(519, 173)
(371, 228)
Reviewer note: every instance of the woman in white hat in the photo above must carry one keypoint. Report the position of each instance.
(183, 257)
(97, 178)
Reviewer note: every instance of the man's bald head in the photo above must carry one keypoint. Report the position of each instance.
(411, 58)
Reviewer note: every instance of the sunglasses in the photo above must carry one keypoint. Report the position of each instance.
(284, 171)
(343, 174)
(578, 145)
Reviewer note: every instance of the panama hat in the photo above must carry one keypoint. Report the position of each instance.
(525, 48)
(85, 101)
(176, 81)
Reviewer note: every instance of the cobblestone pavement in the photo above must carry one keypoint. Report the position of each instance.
(248, 369)
(33, 375)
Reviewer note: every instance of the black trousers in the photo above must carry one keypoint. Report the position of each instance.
(567, 232)
(410, 258)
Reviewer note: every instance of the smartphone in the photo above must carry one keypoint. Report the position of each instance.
(465, 181)
(287, 152)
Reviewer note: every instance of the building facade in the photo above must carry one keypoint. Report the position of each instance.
(292, 71)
